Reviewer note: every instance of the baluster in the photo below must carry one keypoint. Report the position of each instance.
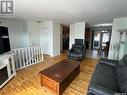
(31, 55)
(23, 58)
(29, 51)
(39, 54)
(35, 54)
(32, 52)
(26, 57)
(19, 57)
(16, 64)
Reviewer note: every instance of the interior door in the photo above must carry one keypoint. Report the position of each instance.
(45, 40)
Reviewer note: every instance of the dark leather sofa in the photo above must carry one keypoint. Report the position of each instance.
(77, 50)
(109, 77)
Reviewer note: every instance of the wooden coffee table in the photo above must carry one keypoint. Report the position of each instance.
(59, 76)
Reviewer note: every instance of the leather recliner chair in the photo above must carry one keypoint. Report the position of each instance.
(77, 50)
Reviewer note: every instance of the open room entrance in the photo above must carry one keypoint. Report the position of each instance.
(65, 31)
(97, 42)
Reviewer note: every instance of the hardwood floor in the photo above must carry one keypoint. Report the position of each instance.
(27, 80)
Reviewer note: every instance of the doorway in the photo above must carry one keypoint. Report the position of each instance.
(45, 42)
(105, 41)
(99, 41)
(96, 40)
(65, 33)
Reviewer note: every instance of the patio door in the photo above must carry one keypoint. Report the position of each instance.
(101, 38)
(96, 40)
(105, 38)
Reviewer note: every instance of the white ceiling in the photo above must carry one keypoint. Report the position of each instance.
(69, 11)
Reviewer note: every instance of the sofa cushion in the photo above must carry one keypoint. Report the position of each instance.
(103, 76)
(121, 71)
(107, 69)
(106, 81)
(122, 78)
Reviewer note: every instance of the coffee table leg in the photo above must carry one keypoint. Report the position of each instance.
(41, 81)
(59, 90)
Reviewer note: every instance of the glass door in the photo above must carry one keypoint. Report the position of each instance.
(105, 38)
(96, 40)
(105, 41)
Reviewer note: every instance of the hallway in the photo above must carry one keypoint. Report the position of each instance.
(93, 53)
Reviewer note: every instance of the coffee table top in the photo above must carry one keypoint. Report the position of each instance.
(60, 70)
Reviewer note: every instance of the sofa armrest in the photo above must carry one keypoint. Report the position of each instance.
(108, 61)
(99, 90)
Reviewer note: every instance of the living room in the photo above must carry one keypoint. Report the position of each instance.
(69, 47)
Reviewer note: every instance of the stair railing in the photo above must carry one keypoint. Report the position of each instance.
(25, 57)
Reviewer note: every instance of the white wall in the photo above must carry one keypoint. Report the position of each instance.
(77, 31)
(118, 23)
(56, 39)
(28, 33)
(125, 48)
(18, 34)
(72, 35)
